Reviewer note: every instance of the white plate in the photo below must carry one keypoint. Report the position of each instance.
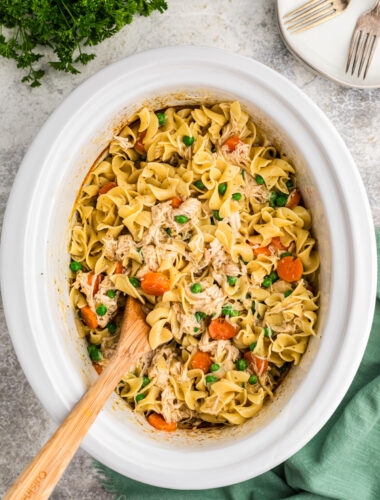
(34, 265)
(325, 47)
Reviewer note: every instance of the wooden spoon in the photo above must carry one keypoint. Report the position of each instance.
(42, 474)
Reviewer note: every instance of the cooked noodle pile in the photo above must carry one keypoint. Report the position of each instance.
(195, 214)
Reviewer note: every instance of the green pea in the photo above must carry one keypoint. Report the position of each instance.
(139, 397)
(252, 346)
(111, 294)
(234, 313)
(94, 352)
(196, 288)
(196, 330)
(226, 310)
(287, 293)
(253, 307)
(188, 140)
(210, 379)
(214, 367)
(216, 215)
(281, 200)
(285, 254)
(199, 315)
(252, 380)
(236, 196)
(232, 280)
(267, 332)
(145, 381)
(273, 276)
(272, 199)
(75, 266)
(266, 282)
(259, 179)
(289, 184)
(101, 310)
(181, 219)
(199, 185)
(161, 118)
(241, 364)
(222, 188)
(111, 327)
(168, 231)
(134, 282)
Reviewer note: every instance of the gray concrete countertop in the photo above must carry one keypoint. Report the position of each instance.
(244, 26)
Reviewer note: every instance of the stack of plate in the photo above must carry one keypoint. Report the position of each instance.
(324, 48)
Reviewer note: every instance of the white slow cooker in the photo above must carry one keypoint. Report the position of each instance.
(35, 263)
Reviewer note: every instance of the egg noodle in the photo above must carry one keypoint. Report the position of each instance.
(197, 216)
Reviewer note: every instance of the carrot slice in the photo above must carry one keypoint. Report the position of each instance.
(119, 268)
(276, 242)
(107, 187)
(290, 269)
(293, 199)
(220, 329)
(89, 317)
(139, 145)
(201, 361)
(232, 143)
(176, 202)
(160, 423)
(262, 251)
(155, 283)
(258, 365)
(94, 281)
(98, 367)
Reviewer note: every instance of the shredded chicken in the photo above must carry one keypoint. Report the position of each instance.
(109, 247)
(221, 349)
(123, 142)
(172, 409)
(234, 221)
(209, 301)
(160, 220)
(120, 248)
(150, 257)
(191, 207)
(187, 322)
(82, 283)
(158, 369)
(217, 256)
(239, 156)
(101, 297)
(252, 190)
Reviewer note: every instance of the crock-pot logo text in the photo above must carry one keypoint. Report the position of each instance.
(35, 486)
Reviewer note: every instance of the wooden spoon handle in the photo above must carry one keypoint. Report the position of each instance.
(42, 474)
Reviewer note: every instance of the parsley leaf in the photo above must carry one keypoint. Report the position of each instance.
(66, 27)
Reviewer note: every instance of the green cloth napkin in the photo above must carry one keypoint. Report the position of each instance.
(341, 462)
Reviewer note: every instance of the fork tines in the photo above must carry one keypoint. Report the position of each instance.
(310, 14)
(363, 45)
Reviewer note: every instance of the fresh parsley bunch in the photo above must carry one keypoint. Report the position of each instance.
(64, 26)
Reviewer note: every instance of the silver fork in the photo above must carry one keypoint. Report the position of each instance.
(365, 39)
(313, 13)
